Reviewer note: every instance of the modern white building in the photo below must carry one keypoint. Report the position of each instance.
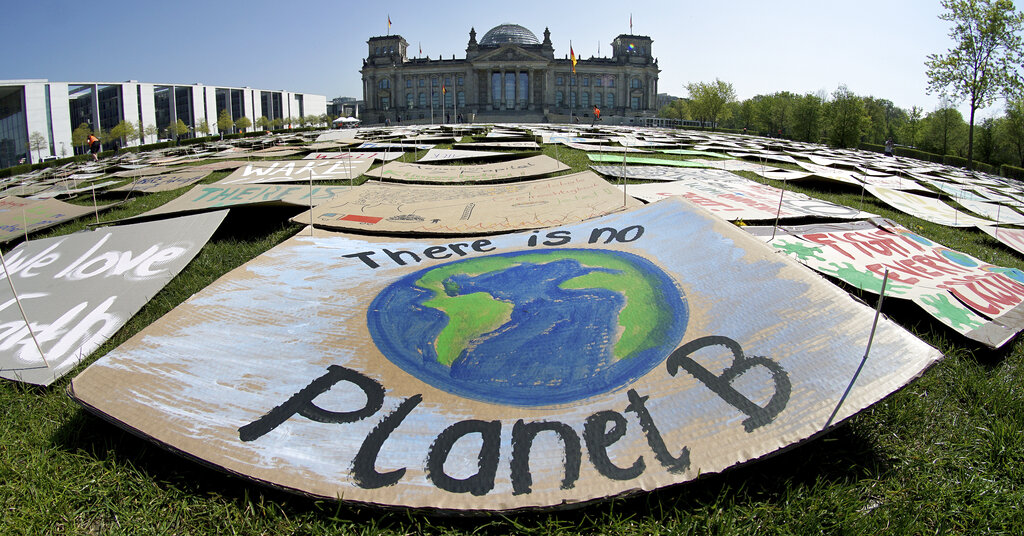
(55, 109)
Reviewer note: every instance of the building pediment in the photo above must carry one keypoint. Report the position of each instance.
(509, 53)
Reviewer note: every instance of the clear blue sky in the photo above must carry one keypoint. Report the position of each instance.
(875, 47)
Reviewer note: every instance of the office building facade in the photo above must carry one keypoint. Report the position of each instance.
(53, 110)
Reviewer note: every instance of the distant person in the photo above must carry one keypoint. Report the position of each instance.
(888, 147)
(597, 115)
(94, 147)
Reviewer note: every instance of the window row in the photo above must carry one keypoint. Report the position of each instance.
(598, 80)
(586, 99)
(420, 101)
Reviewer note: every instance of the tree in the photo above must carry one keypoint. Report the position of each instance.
(140, 131)
(807, 118)
(264, 123)
(203, 127)
(846, 118)
(708, 100)
(983, 64)
(1013, 128)
(677, 109)
(124, 131)
(151, 130)
(37, 142)
(910, 127)
(243, 123)
(224, 122)
(277, 123)
(986, 140)
(944, 129)
(80, 136)
(177, 129)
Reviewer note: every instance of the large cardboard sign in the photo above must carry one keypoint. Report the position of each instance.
(522, 370)
(737, 198)
(355, 156)
(297, 171)
(977, 299)
(78, 290)
(17, 214)
(1011, 238)
(926, 208)
(994, 211)
(500, 145)
(663, 173)
(206, 197)
(387, 208)
(447, 155)
(163, 183)
(593, 148)
(611, 158)
(520, 168)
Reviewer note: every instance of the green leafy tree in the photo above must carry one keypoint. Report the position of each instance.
(1012, 131)
(243, 123)
(708, 100)
(140, 131)
(203, 127)
(264, 123)
(807, 117)
(677, 109)
(277, 122)
(909, 132)
(986, 140)
(846, 118)
(983, 65)
(80, 136)
(152, 131)
(124, 131)
(944, 130)
(178, 128)
(37, 142)
(224, 123)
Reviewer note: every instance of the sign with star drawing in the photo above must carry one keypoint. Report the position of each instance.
(977, 299)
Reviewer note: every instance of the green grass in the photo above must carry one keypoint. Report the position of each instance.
(944, 455)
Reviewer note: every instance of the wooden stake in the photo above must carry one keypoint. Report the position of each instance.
(28, 326)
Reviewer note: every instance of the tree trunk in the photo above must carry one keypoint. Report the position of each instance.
(970, 140)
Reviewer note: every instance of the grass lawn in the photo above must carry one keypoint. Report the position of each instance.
(944, 455)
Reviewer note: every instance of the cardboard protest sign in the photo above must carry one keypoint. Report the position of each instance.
(163, 183)
(611, 158)
(500, 145)
(520, 168)
(381, 146)
(539, 369)
(590, 147)
(993, 211)
(977, 299)
(1011, 238)
(78, 290)
(16, 214)
(297, 171)
(663, 173)
(443, 155)
(388, 208)
(736, 165)
(206, 197)
(926, 208)
(737, 198)
(354, 156)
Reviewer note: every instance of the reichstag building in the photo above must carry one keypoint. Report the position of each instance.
(509, 75)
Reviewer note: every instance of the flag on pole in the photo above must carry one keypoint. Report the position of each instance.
(389, 23)
(443, 89)
(421, 49)
(572, 57)
(631, 24)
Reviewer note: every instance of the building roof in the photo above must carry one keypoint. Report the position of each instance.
(509, 33)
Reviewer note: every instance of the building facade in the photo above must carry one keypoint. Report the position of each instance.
(508, 75)
(55, 109)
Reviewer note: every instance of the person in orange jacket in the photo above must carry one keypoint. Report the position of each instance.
(94, 147)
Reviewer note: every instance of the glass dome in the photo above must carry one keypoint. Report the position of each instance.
(509, 33)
